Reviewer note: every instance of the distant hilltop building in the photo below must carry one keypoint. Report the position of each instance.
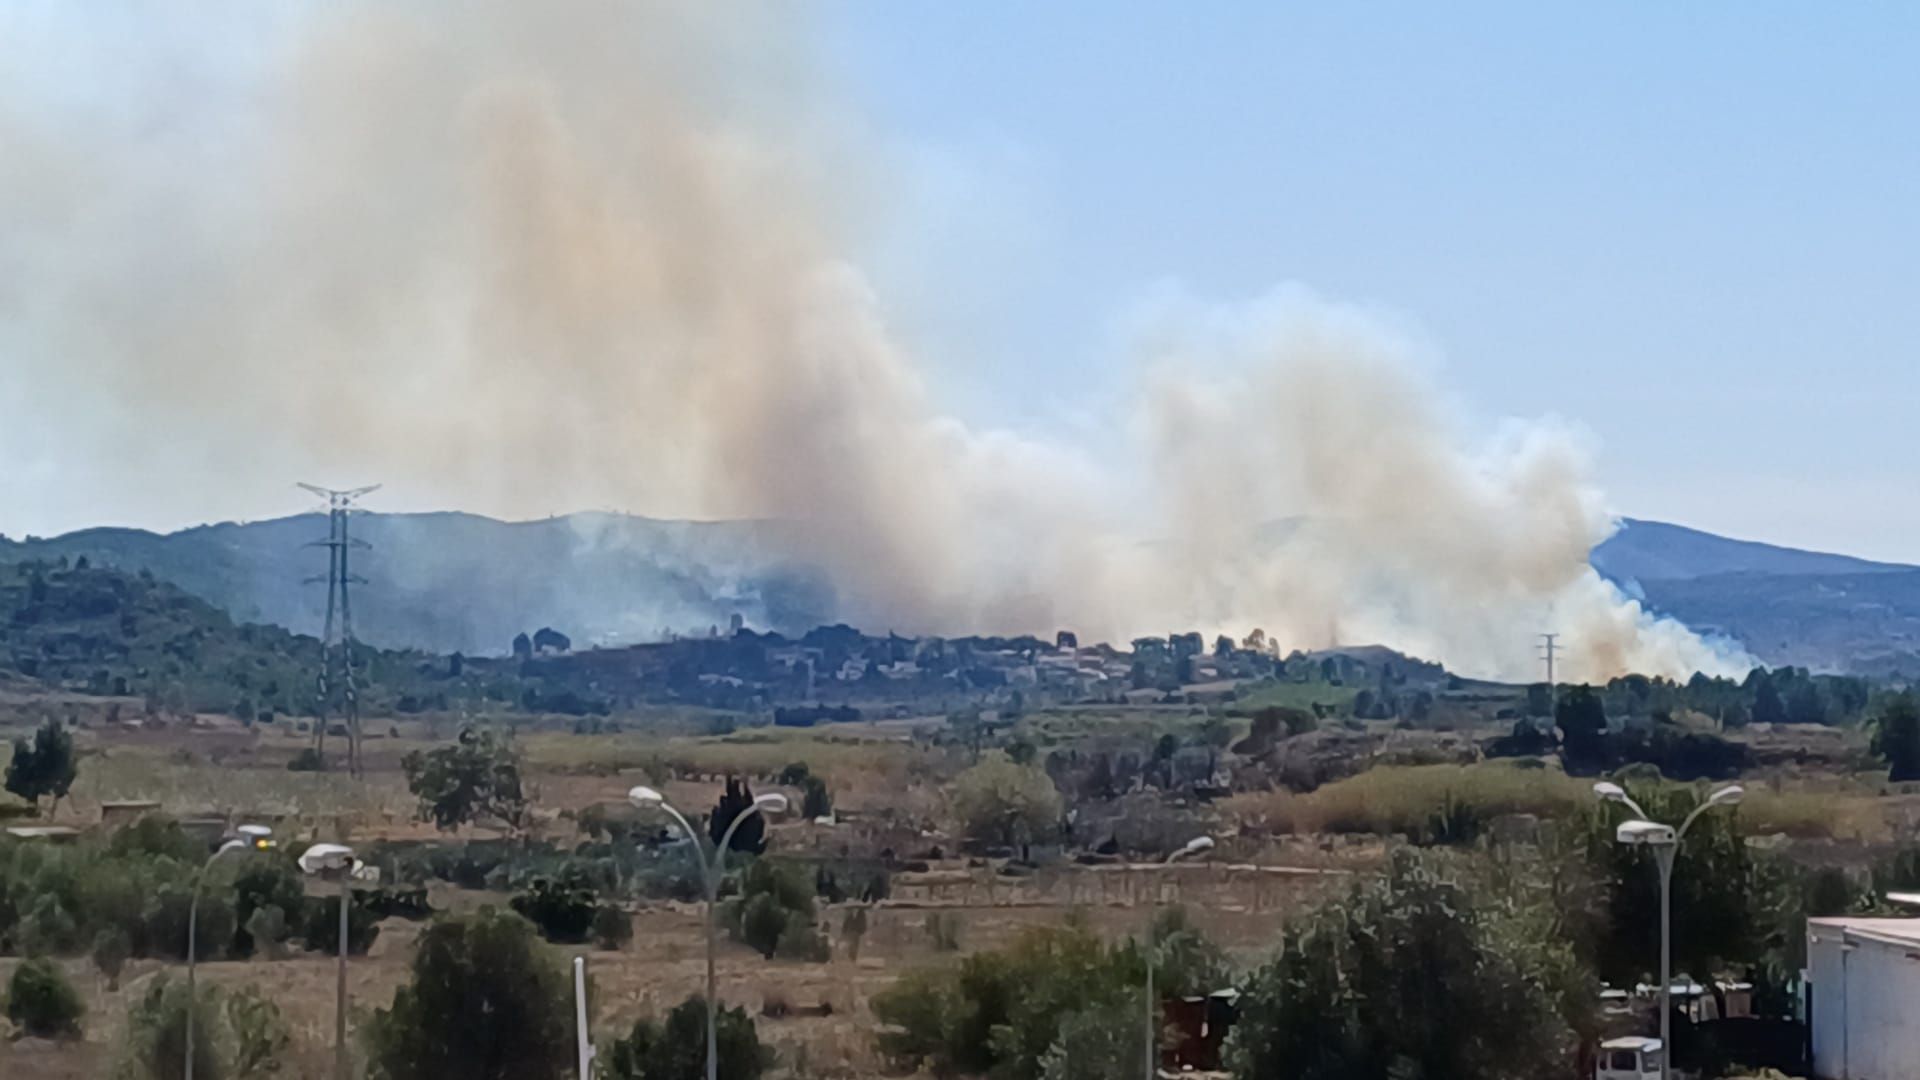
(545, 641)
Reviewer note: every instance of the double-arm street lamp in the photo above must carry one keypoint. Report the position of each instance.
(335, 862)
(711, 871)
(1665, 842)
(245, 838)
(1199, 845)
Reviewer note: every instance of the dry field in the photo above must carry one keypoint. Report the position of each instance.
(219, 770)
(665, 963)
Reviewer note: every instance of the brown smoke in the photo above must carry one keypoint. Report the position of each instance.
(526, 258)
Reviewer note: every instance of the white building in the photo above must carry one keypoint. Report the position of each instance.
(1865, 979)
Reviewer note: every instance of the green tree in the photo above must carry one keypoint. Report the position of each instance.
(1718, 903)
(815, 800)
(676, 1048)
(45, 766)
(41, 1002)
(485, 1002)
(1000, 802)
(737, 799)
(1413, 974)
(1002, 1012)
(1768, 706)
(776, 903)
(111, 950)
(1896, 737)
(1097, 1043)
(1582, 719)
(562, 906)
(476, 777)
(156, 1039)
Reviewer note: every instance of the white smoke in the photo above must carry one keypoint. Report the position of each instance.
(524, 257)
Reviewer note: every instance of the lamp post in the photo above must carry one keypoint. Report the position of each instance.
(711, 872)
(1199, 845)
(336, 861)
(250, 838)
(1665, 842)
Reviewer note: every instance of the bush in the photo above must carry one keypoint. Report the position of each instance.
(563, 908)
(775, 900)
(762, 922)
(157, 1040)
(307, 760)
(676, 1049)
(1097, 1043)
(1002, 1012)
(612, 927)
(485, 1002)
(320, 926)
(1000, 802)
(41, 1002)
(257, 1032)
(815, 801)
(1353, 991)
(111, 949)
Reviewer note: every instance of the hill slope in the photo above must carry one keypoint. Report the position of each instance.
(1656, 551)
(453, 582)
(447, 582)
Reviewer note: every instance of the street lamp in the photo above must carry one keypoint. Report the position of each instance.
(1199, 845)
(1664, 840)
(250, 838)
(647, 798)
(336, 861)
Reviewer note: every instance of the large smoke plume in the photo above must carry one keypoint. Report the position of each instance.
(533, 257)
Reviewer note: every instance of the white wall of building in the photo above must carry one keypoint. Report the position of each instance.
(1866, 998)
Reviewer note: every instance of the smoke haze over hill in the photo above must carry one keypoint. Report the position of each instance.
(527, 257)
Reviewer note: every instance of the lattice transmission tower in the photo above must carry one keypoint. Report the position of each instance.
(338, 694)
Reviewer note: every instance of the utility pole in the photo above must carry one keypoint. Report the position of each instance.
(335, 685)
(1549, 648)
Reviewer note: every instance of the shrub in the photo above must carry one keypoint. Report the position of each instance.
(111, 949)
(802, 940)
(41, 1002)
(612, 927)
(676, 1048)
(157, 1034)
(563, 908)
(320, 926)
(1000, 802)
(815, 801)
(762, 921)
(775, 899)
(258, 1033)
(307, 760)
(160, 836)
(1352, 991)
(485, 1002)
(1097, 1043)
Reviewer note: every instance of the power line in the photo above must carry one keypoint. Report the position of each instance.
(336, 687)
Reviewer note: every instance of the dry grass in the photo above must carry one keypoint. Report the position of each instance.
(1816, 815)
(1403, 799)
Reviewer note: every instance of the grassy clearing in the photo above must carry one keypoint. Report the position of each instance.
(841, 753)
(185, 786)
(1404, 799)
(1296, 695)
(1815, 815)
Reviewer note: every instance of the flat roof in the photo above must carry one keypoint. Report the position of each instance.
(41, 832)
(1901, 932)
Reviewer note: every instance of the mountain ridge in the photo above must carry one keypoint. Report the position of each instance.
(454, 581)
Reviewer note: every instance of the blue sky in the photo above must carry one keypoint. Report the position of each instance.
(1692, 229)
